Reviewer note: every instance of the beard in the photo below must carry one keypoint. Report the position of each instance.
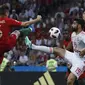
(74, 29)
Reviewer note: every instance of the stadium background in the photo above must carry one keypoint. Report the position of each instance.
(58, 13)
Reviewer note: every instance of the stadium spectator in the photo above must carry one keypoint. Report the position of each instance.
(14, 15)
(67, 39)
(22, 16)
(51, 63)
(59, 12)
(22, 1)
(23, 60)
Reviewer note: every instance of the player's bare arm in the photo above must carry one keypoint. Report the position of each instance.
(32, 21)
(70, 46)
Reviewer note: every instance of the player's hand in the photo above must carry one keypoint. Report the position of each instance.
(83, 16)
(82, 52)
(39, 17)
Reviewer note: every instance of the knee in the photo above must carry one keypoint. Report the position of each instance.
(70, 81)
(55, 49)
(17, 33)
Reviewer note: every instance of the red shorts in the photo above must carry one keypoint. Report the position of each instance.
(82, 76)
(7, 45)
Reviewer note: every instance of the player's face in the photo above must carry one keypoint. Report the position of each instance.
(75, 26)
(7, 13)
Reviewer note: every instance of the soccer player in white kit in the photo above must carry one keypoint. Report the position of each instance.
(76, 58)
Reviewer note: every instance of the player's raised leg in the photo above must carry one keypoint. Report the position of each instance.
(12, 39)
(16, 33)
(57, 51)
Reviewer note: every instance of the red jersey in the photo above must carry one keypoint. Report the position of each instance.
(5, 27)
(66, 43)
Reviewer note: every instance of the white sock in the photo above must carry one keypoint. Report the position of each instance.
(42, 48)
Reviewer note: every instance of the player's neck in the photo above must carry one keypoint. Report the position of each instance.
(79, 30)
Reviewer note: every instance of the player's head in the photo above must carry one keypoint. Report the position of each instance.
(78, 24)
(4, 10)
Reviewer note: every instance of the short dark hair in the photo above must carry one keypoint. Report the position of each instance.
(3, 9)
(80, 21)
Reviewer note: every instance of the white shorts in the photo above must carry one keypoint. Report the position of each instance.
(78, 64)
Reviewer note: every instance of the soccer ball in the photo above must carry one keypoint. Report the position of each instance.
(54, 32)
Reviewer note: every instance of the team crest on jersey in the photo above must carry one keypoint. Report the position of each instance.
(78, 39)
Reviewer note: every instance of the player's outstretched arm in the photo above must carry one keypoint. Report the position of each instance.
(32, 21)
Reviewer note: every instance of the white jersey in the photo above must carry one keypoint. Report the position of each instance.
(77, 62)
(78, 41)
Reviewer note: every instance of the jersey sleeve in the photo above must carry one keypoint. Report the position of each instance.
(83, 38)
(13, 22)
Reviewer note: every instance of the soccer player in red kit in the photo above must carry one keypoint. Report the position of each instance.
(7, 40)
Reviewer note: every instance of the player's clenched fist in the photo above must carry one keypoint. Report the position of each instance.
(39, 17)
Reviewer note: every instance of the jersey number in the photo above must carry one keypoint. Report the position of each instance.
(78, 71)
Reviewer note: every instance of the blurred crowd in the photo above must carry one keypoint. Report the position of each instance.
(55, 13)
